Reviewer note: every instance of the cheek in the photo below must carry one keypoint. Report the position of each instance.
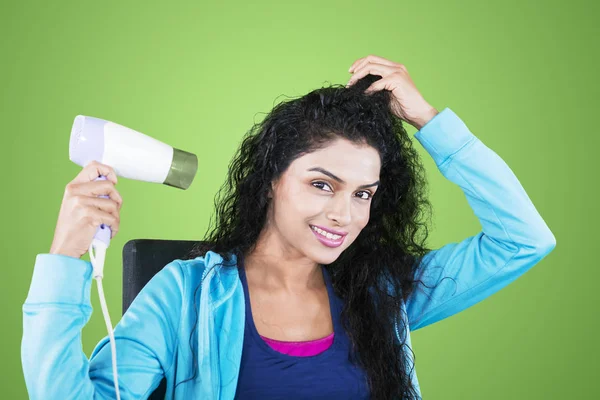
(303, 203)
(362, 219)
(294, 205)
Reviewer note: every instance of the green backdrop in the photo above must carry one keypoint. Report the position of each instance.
(197, 75)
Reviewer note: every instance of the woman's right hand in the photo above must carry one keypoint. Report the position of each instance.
(82, 211)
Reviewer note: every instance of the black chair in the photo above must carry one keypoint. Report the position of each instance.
(142, 259)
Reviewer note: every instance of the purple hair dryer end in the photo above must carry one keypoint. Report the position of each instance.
(103, 233)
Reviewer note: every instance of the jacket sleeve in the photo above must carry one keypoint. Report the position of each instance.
(55, 311)
(513, 239)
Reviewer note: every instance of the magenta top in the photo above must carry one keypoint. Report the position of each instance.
(300, 349)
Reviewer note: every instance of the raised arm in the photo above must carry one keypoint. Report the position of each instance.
(55, 311)
(514, 237)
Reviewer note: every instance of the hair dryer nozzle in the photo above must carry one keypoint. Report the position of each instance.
(183, 169)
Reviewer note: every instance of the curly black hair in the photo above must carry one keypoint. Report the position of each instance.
(376, 271)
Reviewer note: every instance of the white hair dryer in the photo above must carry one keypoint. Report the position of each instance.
(132, 155)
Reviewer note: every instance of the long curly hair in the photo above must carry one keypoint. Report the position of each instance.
(376, 271)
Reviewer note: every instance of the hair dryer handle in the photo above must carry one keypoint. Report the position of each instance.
(103, 233)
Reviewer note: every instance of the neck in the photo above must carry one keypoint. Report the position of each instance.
(277, 267)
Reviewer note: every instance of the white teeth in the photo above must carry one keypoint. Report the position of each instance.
(326, 234)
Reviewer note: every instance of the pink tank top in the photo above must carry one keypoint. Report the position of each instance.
(301, 349)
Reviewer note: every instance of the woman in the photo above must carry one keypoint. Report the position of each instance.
(316, 270)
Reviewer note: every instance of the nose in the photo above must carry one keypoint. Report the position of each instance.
(340, 210)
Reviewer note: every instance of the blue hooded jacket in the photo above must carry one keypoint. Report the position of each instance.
(153, 336)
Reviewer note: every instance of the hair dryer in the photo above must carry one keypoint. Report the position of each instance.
(132, 155)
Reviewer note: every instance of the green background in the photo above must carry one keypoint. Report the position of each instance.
(197, 75)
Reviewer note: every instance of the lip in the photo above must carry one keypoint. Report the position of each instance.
(328, 242)
(331, 230)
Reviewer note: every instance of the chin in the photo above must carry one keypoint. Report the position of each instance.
(325, 260)
(326, 255)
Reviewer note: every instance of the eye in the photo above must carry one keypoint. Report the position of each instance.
(370, 195)
(322, 183)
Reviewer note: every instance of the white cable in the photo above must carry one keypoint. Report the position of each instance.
(97, 253)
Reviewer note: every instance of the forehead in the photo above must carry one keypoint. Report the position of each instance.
(349, 161)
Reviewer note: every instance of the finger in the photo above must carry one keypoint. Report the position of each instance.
(106, 205)
(102, 217)
(374, 69)
(371, 58)
(93, 170)
(94, 189)
(390, 83)
(355, 64)
(375, 86)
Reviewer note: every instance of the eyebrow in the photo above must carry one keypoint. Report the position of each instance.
(332, 176)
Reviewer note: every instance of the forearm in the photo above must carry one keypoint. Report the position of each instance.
(54, 313)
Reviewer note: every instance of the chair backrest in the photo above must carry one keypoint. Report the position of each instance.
(142, 259)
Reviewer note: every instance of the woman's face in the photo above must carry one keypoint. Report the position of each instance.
(331, 188)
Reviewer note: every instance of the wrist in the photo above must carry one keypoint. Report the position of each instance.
(424, 117)
(63, 253)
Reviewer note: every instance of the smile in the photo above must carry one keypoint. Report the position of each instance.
(328, 239)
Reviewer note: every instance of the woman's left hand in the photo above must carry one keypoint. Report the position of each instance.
(407, 103)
